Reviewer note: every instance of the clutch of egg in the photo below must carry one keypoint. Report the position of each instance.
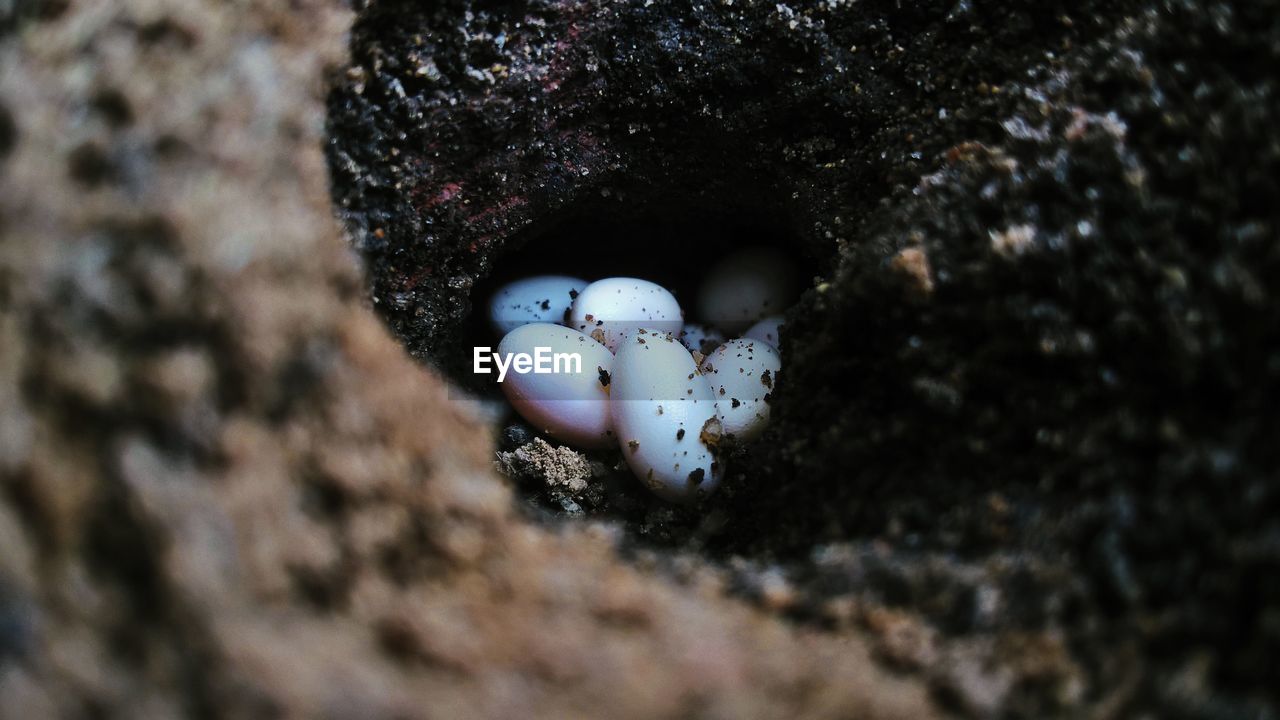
(640, 386)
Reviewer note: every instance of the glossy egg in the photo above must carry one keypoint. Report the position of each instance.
(541, 299)
(742, 373)
(664, 417)
(611, 309)
(700, 337)
(745, 287)
(767, 330)
(569, 406)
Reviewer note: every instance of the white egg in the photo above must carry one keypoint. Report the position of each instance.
(613, 308)
(541, 299)
(700, 337)
(571, 402)
(664, 417)
(767, 330)
(742, 373)
(745, 287)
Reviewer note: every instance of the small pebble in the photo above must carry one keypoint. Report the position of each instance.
(513, 436)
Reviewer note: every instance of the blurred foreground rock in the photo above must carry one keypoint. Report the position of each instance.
(225, 490)
(1024, 460)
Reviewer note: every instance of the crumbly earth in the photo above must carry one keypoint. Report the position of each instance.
(1058, 354)
(227, 491)
(560, 467)
(555, 478)
(1025, 433)
(1023, 463)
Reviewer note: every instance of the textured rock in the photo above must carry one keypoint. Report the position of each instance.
(1038, 479)
(1065, 345)
(1023, 430)
(226, 491)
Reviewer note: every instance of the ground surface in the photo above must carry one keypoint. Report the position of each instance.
(1024, 463)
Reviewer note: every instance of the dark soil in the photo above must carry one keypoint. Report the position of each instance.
(1027, 419)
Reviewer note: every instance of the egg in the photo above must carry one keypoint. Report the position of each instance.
(664, 417)
(700, 337)
(767, 330)
(540, 299)
(742, 373)
(571, 406)
(611, 309)
(746, 286)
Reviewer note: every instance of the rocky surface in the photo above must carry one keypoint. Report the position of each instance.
(226, 490)
(1024, 433)
(1023, 462)
(1066, 374)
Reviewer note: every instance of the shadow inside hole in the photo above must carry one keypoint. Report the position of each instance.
(673, 248)
(674, 245)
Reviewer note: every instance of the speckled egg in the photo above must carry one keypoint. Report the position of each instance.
(746, 286)
(611, 309)
(541, 299)
(742, 373)
(767, 330)
(571, 406)
(664, 417)
(700, 337)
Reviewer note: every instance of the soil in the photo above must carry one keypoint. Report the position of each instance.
(1023, 457)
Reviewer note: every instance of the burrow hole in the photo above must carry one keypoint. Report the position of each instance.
(672, 244)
